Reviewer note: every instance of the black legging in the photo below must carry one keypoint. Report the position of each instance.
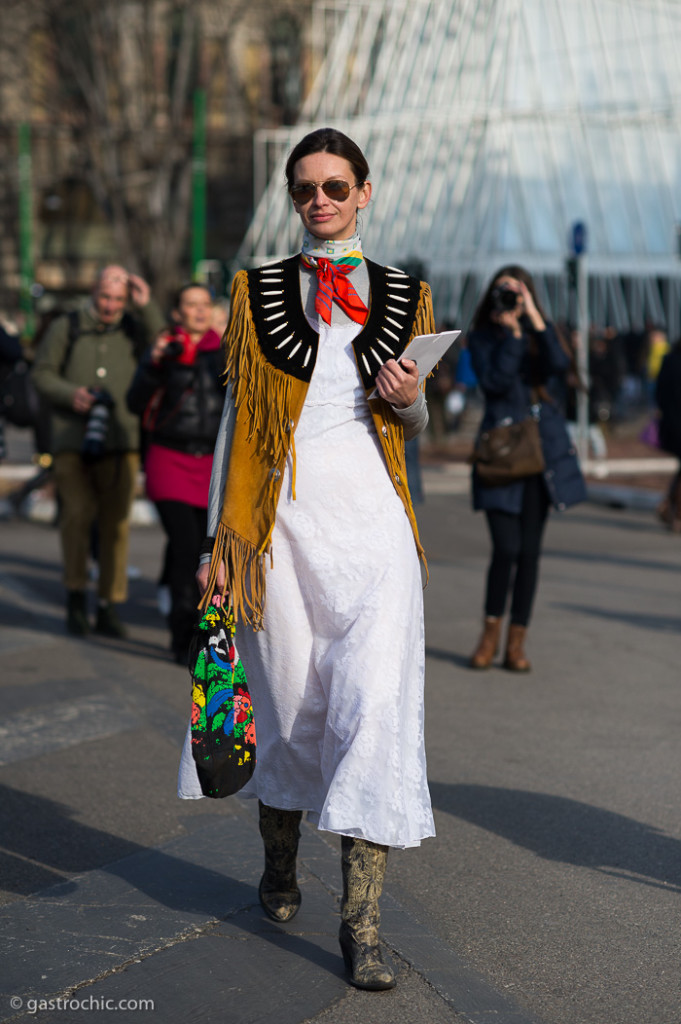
(516, 542)
(185, 527)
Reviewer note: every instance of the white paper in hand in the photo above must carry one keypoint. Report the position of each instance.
(426, 350)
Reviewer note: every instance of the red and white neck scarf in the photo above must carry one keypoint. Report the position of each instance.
(333, 261)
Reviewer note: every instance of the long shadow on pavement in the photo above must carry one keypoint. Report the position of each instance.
(643, 523)
(621, 561)
(199, 885)
(569, 831)
(662, 623)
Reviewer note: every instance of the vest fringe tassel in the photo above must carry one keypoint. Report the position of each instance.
(244, 584)
(424, 320)
(259, 390)
(258, 386)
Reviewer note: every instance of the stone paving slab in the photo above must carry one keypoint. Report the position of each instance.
(180, 926)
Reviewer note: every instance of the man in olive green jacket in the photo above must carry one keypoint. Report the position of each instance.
(84, 367)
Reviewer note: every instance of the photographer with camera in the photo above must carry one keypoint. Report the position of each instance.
(84, 366)
(177, 391)
(521, 364)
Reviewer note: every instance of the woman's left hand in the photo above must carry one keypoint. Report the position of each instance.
(398, 383)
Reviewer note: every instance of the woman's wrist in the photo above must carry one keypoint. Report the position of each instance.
(537, 322)
(206, 552)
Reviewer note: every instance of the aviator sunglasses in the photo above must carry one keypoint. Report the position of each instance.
(335, 189)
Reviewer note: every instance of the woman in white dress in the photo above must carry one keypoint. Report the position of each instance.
(309, 497)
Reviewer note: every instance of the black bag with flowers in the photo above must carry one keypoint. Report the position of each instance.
(222, 722)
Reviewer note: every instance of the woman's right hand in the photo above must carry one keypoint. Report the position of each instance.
(160, 346)
(82, 400)
(202, 577)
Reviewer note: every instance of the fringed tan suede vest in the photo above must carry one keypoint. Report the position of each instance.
(270, 355)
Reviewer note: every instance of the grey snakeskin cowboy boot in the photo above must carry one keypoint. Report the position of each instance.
(364, 865)
(279, 893)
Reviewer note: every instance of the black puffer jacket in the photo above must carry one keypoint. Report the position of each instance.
(180, 405)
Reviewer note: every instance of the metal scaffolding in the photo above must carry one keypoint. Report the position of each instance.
(491, 126)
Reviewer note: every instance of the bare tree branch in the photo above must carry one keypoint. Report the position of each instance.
(134, 65)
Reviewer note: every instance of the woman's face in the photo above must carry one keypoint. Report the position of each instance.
(330, 219)
(195, 311)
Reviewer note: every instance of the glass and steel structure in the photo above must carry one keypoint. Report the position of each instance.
(491, 127)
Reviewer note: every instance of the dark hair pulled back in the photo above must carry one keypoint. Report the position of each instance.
(328, 140)
(179, 292)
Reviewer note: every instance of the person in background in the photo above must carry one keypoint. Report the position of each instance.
(575, 387)
(40, 424)
(463, 394)
(84, 366)
(438, 386)
(668, 400)
(521, 365)
(179, 395)
(220, 316)
(10, 353)
(657, 347)
(11, 349)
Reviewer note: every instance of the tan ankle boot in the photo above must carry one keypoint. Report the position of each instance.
(515, 659)
(488, 644)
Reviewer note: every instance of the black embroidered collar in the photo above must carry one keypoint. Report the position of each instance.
(288, 342)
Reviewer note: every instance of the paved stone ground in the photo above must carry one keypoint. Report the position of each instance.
(550, 894)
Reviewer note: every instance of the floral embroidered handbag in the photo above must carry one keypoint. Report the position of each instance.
(222, 722)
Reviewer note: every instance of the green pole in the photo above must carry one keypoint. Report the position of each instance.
(25, 226)
(199, 181)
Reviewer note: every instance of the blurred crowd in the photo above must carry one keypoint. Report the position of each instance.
(623, 370)
(106, 387)
(41, 393)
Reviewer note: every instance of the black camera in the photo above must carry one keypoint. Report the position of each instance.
(97, 425)
(503, 298)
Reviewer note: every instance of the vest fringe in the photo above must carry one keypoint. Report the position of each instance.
(259, 387)
(293, 467)
(424, 320)
(244, 585)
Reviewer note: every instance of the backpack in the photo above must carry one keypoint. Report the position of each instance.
(19, 400)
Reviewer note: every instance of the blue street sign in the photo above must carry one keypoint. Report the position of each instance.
(579, 237)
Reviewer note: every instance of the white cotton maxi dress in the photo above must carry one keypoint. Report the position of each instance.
(337, 674)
